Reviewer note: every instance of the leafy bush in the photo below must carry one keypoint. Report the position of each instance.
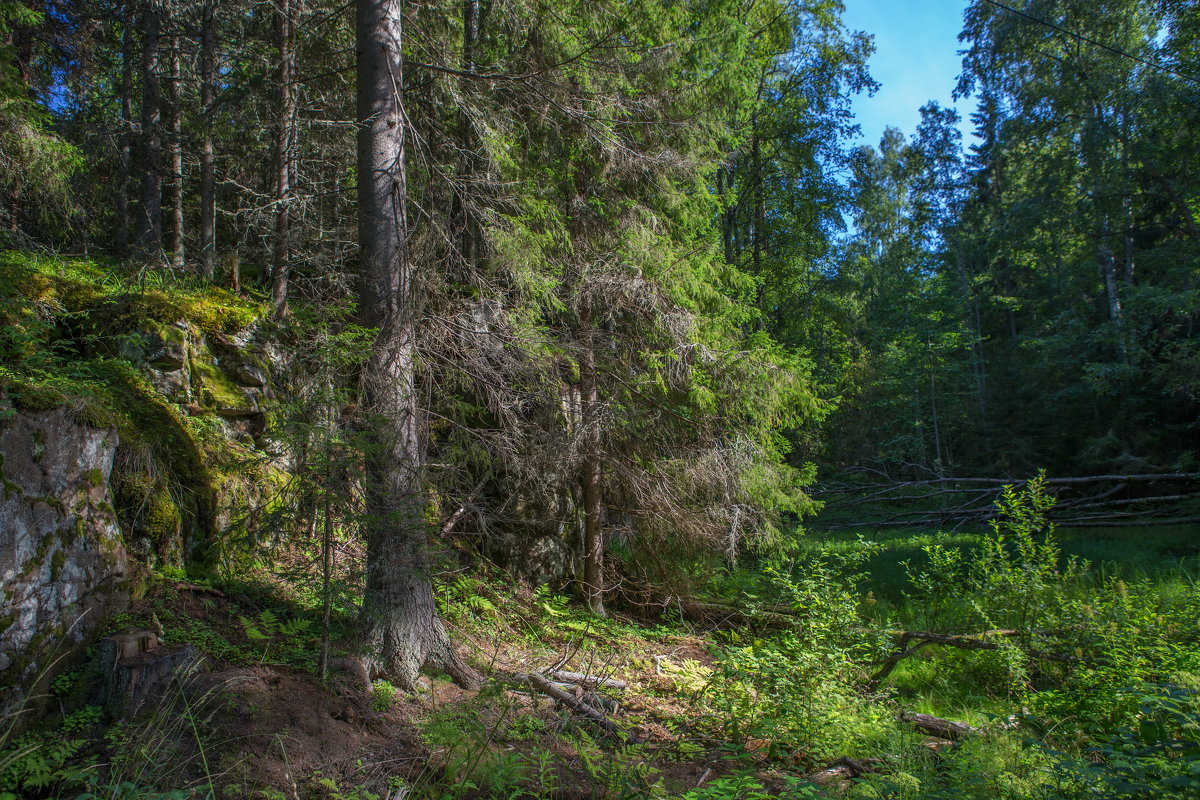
(801, 690)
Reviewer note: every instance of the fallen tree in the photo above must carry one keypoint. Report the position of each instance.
(937, 726)
(870, 497)
(978, 641)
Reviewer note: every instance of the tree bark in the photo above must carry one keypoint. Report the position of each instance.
(208, 195)
(326, 585)
(125, 144)
(150, 215)
(591, 480)
(175, 148)
(463, 219)
(285, 34)
(400, 617)
(946, 728)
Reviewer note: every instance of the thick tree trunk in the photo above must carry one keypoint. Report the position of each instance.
(400, 616)
(591, 480)
(281, 266)
(175, 148)
(125, 144)
(208, 195)
(150, 214)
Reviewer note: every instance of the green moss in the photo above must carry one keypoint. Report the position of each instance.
(7, 622)
(71, 320)
(51, 501)
(56, 563)
(79, 530)
(163, 520)
(122, 295)
(32, 397)
(93, 476)
(216, 389)
(39, 444)
(35, 562)
(40, 391)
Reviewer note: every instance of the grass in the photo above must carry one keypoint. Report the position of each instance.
(1169, 554)
(950, 683)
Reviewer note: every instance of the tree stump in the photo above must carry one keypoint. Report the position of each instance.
(138, 670)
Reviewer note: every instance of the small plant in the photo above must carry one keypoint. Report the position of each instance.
(1157, 755)
(747, 787)
(39, 762)
(464, 597)
(268, 629)
(383, 696)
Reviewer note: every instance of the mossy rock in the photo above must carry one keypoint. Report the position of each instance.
(216, 389)
(87, 336)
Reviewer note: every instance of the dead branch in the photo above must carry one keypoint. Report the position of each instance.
(542, 684)
(945, 728)
(191, 587)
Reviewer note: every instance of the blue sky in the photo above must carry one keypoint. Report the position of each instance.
(916, 60)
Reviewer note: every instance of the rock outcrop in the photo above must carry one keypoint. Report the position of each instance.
(63, 565)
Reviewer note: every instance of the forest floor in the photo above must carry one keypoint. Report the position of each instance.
(771, 701)
(256, 722)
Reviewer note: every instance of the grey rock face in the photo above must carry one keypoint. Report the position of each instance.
(62, 561)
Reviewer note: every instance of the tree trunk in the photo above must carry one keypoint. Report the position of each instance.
(1112, 295)
(125, 144)
(208, 195)
(150, 215)
(285, 34)
(20, 40)
(1127, 204)
(978, 370)
(400, 617)
(759, 205)
(175, 148)
(462, 218)
(326, 584)
(593, 509)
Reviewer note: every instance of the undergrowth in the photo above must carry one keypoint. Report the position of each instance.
(1088, 687)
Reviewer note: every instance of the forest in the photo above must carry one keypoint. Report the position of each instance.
(525, 399)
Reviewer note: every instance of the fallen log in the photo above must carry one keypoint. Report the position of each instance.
(191, 587)
(549, 688)
(579, 679)
(936, 726)
(722, 614)
(978, 641)
(1156, 496)
(839, 773)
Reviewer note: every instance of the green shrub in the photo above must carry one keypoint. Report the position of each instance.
(383, 696)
